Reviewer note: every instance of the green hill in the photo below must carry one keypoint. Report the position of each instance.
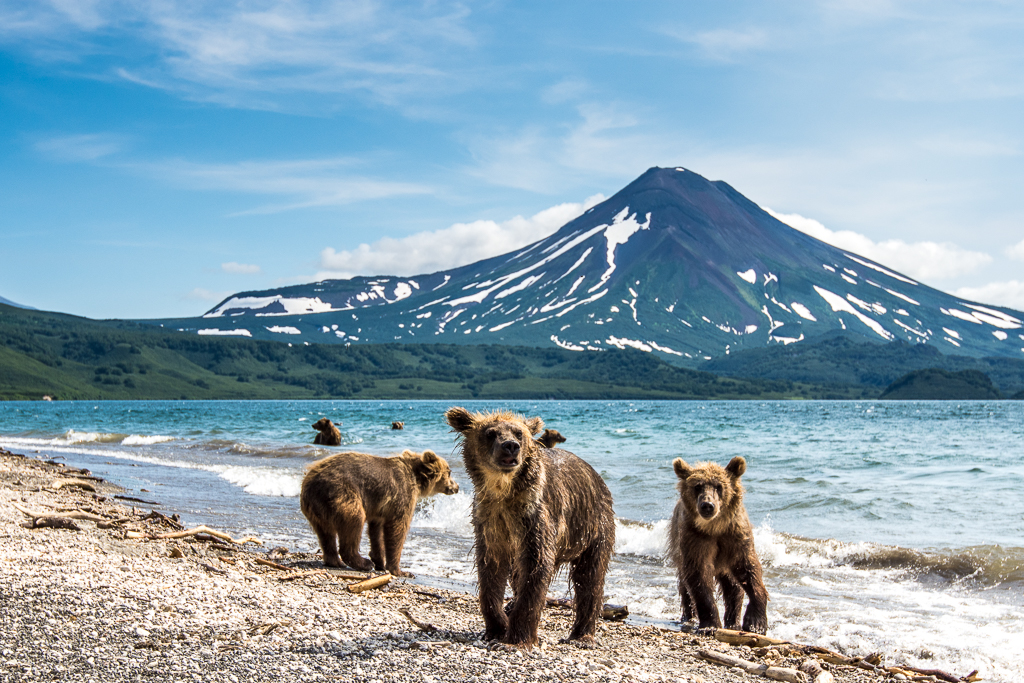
(935, 384)
(68, 357)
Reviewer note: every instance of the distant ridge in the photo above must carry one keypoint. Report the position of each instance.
(673, 264)
(8, 302)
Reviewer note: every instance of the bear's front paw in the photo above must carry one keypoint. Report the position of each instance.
(583, 643)
(399, 574)
(756, 626)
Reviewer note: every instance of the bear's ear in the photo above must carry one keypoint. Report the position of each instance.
(534, 424)
(460, 419)
(736, 467)
(682, 469)
(430, 458)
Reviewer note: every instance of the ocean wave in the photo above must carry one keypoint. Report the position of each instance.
(261, 481)
(987, 565)
(446, 513)
(641, 539)
(139, 440)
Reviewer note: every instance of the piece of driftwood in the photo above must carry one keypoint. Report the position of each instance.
(812, 668)
(74, 514)
(133, 499)
(72, 483)
(370, 584)
(609, 612)
(746, 638)
(210, 568)
(113, 523)
(171, 521)
(421, 625)
(302, 575)
(348, 574)
(52, 523)
(197, 532)
(776, 673)
(272, 565)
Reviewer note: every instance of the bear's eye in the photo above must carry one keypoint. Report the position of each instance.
(698, 489)
(491, 433)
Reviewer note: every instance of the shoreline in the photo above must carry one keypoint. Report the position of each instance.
(94, 604)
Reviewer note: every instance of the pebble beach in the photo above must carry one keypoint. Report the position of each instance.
(107, 602)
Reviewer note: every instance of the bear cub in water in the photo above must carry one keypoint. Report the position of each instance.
(534, 509)
(710, 540)
(329, 434)
(342, 492)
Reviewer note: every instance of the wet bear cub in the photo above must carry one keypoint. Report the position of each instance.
(329, 434)
(342, 492)
(534, 509)
(710, 540)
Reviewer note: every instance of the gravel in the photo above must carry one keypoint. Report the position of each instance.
(94, 605)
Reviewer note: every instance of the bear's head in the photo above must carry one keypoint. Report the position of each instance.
(497, 443)
(433, 475)
(551, 438)
(707, 489)
(323, 425)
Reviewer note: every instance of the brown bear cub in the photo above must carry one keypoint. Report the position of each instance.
(329, 434)
(710, 539)
(551, 438)
(534, 509)
(341, 492)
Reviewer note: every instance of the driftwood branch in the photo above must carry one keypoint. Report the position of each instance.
(421, 625)
(133, 499)
(302, 575)
(776, 673)
(72, 483)
(369, 584)
(75, 514)
(273, 565)
(197, 531)
(52, 523)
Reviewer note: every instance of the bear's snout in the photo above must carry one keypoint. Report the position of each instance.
(707, 509)
(508, 454)
(451, 489)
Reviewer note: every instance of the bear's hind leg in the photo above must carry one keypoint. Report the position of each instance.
(732, 595)
(587, 579)
(350, 531)
(394, 541)
(375, 531)
(328, 544)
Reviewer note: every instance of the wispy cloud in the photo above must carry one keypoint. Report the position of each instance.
(724, 44)
(240, 268)
(87, 147)
(926, 261)
(458, 245)
(254, 53)
(304, 183)
(200, 294)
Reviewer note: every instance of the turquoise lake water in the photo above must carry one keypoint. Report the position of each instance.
(893, 527)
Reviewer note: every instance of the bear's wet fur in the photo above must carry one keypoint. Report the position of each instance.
(329, 434)
(710, 540)
(551, 438)
(342, 492)
(534, 509)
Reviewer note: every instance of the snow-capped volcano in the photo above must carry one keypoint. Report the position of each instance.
(674, 264)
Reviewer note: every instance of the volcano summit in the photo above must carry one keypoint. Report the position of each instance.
(673, 264)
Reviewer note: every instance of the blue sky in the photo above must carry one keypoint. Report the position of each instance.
(157, 156)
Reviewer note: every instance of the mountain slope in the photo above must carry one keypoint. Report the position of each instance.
(673, 264)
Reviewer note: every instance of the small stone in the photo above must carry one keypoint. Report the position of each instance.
(141, 632)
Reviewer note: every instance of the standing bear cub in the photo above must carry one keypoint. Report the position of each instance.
(710, 539)
(341, 492)
(534, 509)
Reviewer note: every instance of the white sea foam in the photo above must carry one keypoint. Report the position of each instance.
(451, 514)
(139, 440)
(260, 481)
(647, 540)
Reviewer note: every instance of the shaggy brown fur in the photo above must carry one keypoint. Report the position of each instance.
(534, 509)
(710, 539)
(329, 434)
(341, 492)
(398, 425)
(551, 438)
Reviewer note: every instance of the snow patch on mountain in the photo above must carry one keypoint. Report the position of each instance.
(293, 306)
(213, 332)
(839, 304)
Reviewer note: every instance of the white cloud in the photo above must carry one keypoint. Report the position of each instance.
(253, 54)
(201, 294)
(88, 147)
(240, 268)
(458, 245)
(926, 261)
(1016, 252)
(1009, 294)
(723, 45)
(306, 182)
